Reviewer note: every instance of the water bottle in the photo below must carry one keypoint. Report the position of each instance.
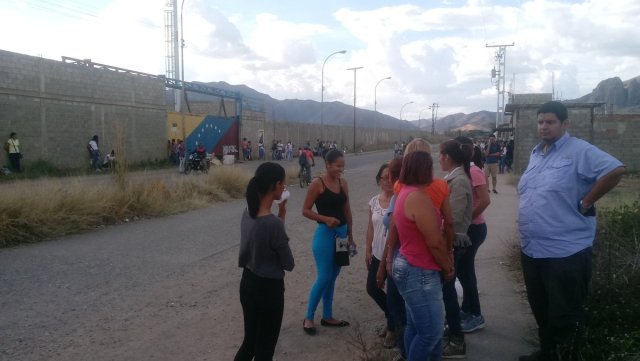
(285, 195)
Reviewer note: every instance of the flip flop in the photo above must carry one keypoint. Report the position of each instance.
(342, 323)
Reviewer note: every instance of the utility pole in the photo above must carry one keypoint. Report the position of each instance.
(434, 113)
(354, 107)
(499, 75)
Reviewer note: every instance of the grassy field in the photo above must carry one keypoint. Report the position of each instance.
(32, 211)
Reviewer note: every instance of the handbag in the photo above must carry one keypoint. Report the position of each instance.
(342, 251)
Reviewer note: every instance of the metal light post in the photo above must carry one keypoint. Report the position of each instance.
(420, 116)
(375, 109)
(322, 93)
(355, 70)
(401, 125)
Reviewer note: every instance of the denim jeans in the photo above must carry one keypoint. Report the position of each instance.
(397, 313)
(466, 270)
(324, 250)
(422, 293)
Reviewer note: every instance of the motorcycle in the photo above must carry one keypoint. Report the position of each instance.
(196, 162)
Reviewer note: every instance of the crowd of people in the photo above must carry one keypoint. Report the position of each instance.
(423, 233)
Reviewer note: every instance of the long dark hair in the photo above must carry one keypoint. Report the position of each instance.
(267, 176)
(458, 152)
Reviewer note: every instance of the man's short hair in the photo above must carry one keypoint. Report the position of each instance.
(557, 108)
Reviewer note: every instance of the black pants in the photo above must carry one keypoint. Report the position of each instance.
(557, 289)
(14, 159)
(450, 298)
(262, 306)
(377, 294)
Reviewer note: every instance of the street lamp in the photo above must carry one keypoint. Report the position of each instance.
(322, 93)
(401, 125)
(375, 109)
(355, 70)
(420, 116)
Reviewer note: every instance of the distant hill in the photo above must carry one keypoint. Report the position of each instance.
(622, 97)
(306, 111)
(482, 120)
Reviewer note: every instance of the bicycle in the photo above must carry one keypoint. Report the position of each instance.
(304, 177)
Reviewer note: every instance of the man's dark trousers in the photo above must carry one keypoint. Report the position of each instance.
(557, 289)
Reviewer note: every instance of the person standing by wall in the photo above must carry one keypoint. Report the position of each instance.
(182, 154)
(12, 147)
(264, 256)
(491, 162)
(94, 153)
(563, 180)
(330, 194)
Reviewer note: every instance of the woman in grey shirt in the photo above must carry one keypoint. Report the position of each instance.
(264, 255)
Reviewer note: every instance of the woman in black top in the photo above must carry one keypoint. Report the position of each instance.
(264, 255)
(330, 194)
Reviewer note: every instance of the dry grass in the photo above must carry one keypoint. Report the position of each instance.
(59, 207)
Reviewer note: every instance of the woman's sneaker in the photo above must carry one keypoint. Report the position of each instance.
(472, 323)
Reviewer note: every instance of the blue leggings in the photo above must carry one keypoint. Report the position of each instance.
(324, 248)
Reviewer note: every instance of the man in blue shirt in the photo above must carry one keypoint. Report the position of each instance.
(557, 223)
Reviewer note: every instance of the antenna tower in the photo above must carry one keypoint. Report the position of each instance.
(499, 76)
(172, 57)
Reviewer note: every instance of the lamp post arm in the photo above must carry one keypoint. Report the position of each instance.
(322, 91)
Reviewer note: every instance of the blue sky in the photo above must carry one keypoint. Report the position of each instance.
(433, 50)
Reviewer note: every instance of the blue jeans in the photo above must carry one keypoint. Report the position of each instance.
(422, 293)
(397, 312)
(466, 270)
(324, 249)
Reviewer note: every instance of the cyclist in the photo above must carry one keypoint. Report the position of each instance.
(305, 160)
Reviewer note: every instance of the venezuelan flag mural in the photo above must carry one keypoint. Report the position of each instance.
(219, 135)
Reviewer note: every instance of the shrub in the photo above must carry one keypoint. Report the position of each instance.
(613, 324)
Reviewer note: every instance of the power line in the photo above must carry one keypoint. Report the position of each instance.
(60, 9)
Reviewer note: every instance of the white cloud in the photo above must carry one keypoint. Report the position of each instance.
(433, 53)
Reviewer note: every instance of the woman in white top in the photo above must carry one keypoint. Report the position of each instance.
(376, 239)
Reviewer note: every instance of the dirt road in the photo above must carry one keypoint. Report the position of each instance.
(167, 289)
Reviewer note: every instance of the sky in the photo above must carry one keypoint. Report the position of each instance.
(434, 51)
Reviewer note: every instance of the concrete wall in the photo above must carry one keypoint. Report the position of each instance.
(618, 135)
(56, 108)
(300, 133)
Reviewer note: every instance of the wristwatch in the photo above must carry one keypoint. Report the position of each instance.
(585, 207)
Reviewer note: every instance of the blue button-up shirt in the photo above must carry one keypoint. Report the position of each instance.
(551, 225)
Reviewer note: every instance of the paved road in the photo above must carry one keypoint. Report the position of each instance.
(166, 289)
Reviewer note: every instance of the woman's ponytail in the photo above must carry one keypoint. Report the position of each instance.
(253, 198)
(267, 176)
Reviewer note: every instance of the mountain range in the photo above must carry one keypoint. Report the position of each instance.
(620, 97)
